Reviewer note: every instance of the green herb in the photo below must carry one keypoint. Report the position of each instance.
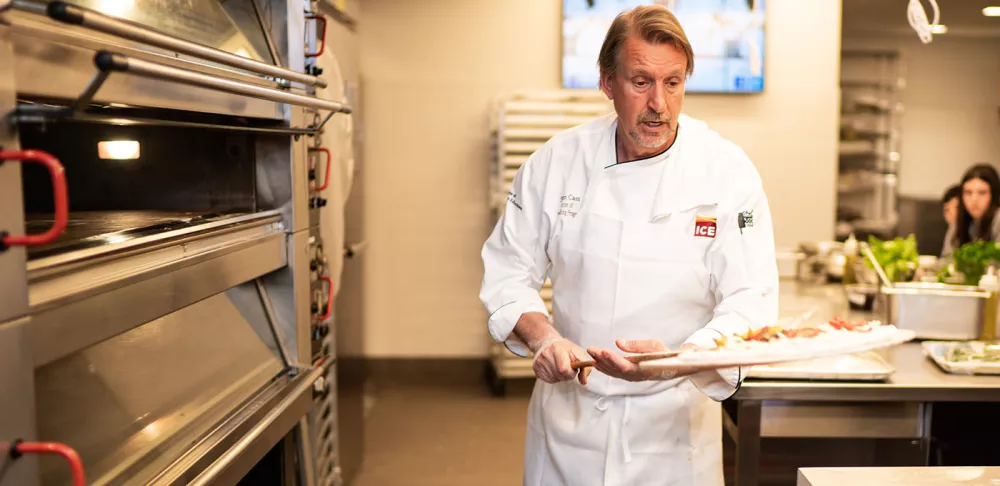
(965, 354)
(898, 257)
(971, 260)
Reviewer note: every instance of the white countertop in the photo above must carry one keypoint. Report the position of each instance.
(908, 476)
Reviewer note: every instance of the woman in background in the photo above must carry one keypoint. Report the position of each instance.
(950, 202)
(977, 213)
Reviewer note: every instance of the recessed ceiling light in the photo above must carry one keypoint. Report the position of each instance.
(991, 11)
(939, 29)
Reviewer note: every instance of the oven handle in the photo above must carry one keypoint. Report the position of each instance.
(60, 197)
(329, 158)
(321, 37)
(93, 20)
(108, 61)
(329, 298)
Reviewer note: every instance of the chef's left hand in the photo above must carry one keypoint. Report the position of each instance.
(608, 362)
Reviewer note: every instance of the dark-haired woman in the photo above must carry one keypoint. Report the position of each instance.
(977, 213)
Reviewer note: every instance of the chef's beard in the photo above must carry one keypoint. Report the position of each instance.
(650, 141)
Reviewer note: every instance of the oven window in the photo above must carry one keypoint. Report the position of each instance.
(228, 25)
(177, 177)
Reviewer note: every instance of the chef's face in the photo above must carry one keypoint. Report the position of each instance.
(951, 210)
(647, 90)
(976, 197)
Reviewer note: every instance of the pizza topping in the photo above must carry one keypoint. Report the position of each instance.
(721, 341)
(771, 333)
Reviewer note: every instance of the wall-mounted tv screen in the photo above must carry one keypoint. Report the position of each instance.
(727, 37)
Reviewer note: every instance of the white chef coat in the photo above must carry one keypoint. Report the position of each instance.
(677, 247)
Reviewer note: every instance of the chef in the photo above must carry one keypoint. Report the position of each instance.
(656, 234)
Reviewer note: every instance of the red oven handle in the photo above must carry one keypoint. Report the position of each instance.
(59, 192)
(329, 298)
(329, 158)
(322, 35)
(67, 452)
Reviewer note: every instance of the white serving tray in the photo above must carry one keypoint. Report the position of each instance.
(866, 366)
(938, 351)
(713, 359)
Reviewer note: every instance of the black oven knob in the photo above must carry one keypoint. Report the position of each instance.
(314, 308)
(312, 174)
(313, 265)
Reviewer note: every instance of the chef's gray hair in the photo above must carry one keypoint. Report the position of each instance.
(652, 23)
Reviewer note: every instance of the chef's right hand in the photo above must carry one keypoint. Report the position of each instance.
(552, 362)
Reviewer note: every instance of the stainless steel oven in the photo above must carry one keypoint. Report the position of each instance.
(164, 297)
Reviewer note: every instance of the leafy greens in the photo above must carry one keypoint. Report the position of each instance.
(898, 257)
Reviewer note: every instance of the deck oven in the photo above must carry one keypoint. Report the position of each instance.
(163, 292)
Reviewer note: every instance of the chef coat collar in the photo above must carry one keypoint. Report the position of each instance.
(686, 181)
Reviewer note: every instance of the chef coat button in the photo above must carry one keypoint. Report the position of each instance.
(601, 404)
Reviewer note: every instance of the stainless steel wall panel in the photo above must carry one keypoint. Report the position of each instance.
(288, 290)
(17, 403)
(14, 298)
(282, 180)
(250, 303)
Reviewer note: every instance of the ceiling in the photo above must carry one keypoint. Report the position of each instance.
(964, 18)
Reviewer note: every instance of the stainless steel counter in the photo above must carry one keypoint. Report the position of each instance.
(916, 379)
(898, 408)
(909, 476)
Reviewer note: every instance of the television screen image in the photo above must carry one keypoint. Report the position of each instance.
(727, 37)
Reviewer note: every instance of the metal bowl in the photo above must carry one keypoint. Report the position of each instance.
(861, 296)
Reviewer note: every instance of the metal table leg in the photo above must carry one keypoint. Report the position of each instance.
(748, 443)
(926, 412)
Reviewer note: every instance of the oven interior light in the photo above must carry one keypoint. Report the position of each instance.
(118, 149)
(993, 11)
(117, 8)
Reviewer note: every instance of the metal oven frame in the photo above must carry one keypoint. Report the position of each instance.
(51, 308)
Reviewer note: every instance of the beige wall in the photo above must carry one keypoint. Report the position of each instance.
(791, 131)
(429, 70)
(951, 118)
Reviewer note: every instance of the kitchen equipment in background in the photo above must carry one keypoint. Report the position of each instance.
(861, 296)
(989, 284)
(819, 262)
(789, 262)
(934, 311)
(836, 263)
(867, 199)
